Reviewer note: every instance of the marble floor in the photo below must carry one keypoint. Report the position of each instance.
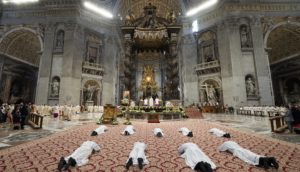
(10, 137)
(252, 124)
(258, 125)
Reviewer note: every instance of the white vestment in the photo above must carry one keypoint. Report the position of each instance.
(185, 131)
(217, 132)
(81, 154)
(145, 102)
(138, 151)
(158, 130)
(156, 101)
(129, 129)
(244, 154)
(193, 154)
(101, 129)
(151, 102)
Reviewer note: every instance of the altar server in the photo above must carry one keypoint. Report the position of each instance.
(158, 132)
(80, 156)
(248, 156)
(137, 155)
(185, 131)
(100, 130)
(129, 130)
(196, 158)
(219, 133)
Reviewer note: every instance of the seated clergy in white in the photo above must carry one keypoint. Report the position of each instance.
(185, 131)
(100, 130)
(80, 156)
(248, 156)
(137, 155)
(158, 132)
(219, 133)
(196, 158)
(129, 130)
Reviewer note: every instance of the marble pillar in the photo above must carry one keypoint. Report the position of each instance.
(45, 67)
(233, 84)
(110, 77)
(72, 65)
(262, 65)
(188, 74)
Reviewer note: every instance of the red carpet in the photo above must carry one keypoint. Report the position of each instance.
(193, 113)
(43, 154)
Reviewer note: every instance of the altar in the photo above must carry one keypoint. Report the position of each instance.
(154, 114)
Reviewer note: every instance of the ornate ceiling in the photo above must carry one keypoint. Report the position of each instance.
(22, 44)
(284, 41)
(137, 7)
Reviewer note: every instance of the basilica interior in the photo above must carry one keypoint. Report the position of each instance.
(202, 64)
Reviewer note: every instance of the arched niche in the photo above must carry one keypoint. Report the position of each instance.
(91, 92)
(210, 91)
(207, 47)
(22, 43)
(55, 87)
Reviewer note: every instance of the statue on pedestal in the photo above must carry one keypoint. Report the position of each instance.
(55, 85)
(245, 37)
(89, 93)
(250, 87)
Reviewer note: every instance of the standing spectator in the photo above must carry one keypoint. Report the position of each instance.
(55, 111)
(24, 114)
(289, 119)
(16, 117)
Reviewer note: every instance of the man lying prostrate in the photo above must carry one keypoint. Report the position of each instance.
(195, 158)
(185, 131)
(219, 133)
(80, 156)
(137, 155)
(99, 130)
(129, 130)
(158, 132)
(248, 156)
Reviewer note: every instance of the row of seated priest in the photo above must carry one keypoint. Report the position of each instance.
(147, 102)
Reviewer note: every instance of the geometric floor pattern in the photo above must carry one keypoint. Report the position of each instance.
(43, 154)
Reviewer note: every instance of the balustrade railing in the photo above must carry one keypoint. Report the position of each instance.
(206, 65)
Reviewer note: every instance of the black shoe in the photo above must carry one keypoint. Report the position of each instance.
(208, 167)
(272, 162)
(94, 133)
(71, 162)
(263, 163)
(129, 163)
(61, 164)
(159, 134)
(200, 167)
(140, 162)
(190, 134)
(227, 135)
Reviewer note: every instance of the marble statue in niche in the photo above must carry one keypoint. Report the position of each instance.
(90, 91)
(60, 39)
(245, 37)
(55, 86)
(208, 53)
(93, 53)
(211, 95)
(250, 86)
